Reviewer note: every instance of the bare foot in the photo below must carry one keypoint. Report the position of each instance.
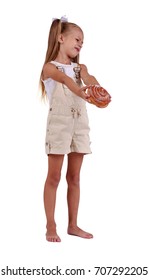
(79, 232)
(52, 236)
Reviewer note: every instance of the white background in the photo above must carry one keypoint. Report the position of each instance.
(114, 180)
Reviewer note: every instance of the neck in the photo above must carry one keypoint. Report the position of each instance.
(63, 59)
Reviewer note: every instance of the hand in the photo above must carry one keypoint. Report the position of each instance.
(83, 93)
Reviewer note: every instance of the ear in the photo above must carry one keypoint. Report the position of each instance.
(61, 38)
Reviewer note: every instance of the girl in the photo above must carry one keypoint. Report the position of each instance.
(67, 124)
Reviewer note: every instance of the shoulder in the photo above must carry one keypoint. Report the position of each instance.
(48, 69)
(83, 71)
(83, 67)
(49, 66)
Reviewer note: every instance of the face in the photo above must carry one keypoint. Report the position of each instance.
(72, 42)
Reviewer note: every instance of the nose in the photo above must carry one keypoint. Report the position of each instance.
(80, 45)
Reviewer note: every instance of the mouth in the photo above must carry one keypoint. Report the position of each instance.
(77, 49)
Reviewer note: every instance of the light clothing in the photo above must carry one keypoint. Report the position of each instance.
(67, 123)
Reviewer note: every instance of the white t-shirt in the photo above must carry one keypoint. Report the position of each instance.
(50, 84)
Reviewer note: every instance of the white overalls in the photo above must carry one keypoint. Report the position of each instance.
(67, 123)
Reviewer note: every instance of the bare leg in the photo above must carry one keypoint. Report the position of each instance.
(54, 173)
(73, 196)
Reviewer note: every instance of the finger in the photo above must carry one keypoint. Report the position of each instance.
(86, 87)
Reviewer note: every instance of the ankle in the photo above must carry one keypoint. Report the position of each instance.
(72, 225)
(51, 225)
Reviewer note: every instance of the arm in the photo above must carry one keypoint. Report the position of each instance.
(50, 71)
(97, 93)
(86, 77)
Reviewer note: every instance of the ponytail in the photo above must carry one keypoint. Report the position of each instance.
(53, 44)
(53, 48)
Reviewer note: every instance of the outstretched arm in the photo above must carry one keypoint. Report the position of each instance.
(50, 71)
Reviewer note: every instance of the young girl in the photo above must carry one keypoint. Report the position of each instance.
(67, 124)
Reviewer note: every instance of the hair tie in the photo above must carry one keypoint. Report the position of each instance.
(62, 19)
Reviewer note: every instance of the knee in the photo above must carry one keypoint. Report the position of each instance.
(53, 179)
(73, 179)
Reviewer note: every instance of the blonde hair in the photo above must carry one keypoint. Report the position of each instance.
(57, 27)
